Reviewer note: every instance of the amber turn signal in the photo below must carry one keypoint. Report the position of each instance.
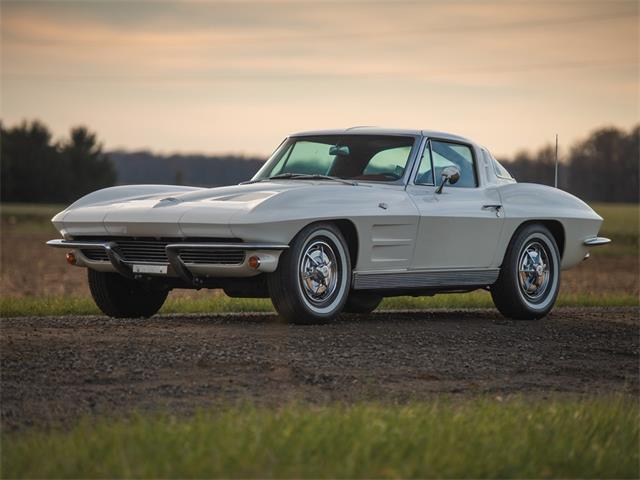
(254, 262)
(71, 258)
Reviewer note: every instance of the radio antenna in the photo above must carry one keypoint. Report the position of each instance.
(556, 177)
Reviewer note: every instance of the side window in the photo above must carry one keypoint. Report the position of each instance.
(446, 154)
(425, 172)
(390, 161)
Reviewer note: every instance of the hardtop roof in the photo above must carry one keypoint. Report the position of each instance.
(383, 131)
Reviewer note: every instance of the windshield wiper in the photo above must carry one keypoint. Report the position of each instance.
(275, 177)
(312, 176)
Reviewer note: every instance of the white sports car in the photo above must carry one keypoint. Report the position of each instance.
(335, 221)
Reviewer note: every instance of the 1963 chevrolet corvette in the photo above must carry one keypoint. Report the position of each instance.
(335, 221)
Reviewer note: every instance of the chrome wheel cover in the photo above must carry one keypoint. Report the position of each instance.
(318, 273)
(534, 271)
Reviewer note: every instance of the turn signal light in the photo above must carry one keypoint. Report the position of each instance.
(254, 262)
(71, 258)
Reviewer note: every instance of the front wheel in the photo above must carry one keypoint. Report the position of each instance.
(313, 278)
(529, 280)
(121, 297)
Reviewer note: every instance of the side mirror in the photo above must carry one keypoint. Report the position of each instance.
(449, 174)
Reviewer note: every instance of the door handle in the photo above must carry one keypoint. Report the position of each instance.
(495, 208)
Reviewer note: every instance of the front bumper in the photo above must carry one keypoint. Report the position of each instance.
(192, 273)
(596, 241)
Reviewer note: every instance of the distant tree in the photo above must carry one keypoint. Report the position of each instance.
(33, 169)
(604, 167)
(179, 178)
(533, 168)
(90, 167)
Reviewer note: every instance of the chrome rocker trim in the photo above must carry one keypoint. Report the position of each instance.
(596, 241)
(424, 279)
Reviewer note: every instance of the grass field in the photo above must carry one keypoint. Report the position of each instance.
(219, 303)
(483, 438)
(35, 280)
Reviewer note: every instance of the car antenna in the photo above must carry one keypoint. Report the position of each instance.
(556, 176)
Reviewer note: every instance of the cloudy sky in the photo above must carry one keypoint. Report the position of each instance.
(215, 76)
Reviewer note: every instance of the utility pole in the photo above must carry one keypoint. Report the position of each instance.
(556, 181)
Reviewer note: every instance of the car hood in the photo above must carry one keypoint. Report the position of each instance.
(152, 210)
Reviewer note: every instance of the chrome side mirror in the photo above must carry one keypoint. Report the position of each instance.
(449, 174)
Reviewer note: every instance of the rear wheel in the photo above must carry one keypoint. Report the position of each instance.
(313, 277)
(362, 303)
(121, 297)
(529, 280)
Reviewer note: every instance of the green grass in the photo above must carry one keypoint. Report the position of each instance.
(39, 211)
(42, 306)
(481, 438)
(621, 224)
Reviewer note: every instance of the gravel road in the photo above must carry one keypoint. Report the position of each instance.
(56, 369)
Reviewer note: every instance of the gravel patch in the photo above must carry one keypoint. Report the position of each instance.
(56, 369)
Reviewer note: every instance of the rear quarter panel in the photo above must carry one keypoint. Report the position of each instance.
(524, 202)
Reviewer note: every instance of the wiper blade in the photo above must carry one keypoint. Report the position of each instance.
(312, 176)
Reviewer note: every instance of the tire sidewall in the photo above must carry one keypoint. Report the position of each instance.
(543, 236)
(331, 235)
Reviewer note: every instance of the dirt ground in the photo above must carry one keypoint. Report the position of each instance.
(29, 268)
(56, 369)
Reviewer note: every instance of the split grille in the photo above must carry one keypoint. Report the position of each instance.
(142, 251)
(153, 251)
(97, 254)
(212, 257)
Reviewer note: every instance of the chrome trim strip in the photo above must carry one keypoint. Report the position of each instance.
(225, 246)
(596, 241)
(60, 243)
(425, 279)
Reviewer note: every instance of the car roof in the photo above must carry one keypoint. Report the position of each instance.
(384, 131)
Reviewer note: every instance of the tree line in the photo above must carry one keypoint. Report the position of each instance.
(34, 168)
(601, 168)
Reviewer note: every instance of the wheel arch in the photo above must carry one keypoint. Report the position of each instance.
(555, 227)
(348, 230)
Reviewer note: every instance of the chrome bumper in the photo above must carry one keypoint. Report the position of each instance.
(172, 250)
(596, 241)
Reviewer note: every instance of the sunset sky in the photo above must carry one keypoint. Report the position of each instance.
(238, 76)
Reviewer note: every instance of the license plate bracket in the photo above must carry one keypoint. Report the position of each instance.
(152, 269)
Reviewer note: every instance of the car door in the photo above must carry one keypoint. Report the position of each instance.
(460, 227)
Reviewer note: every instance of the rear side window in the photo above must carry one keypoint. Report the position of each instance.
(501, 172)
(446, 154)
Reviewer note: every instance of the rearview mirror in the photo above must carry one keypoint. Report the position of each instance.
(449, 174)
(342, 150)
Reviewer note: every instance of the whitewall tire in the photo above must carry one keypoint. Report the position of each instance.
(313, 278)
(529, 280)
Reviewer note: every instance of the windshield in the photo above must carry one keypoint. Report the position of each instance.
(379, 158)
